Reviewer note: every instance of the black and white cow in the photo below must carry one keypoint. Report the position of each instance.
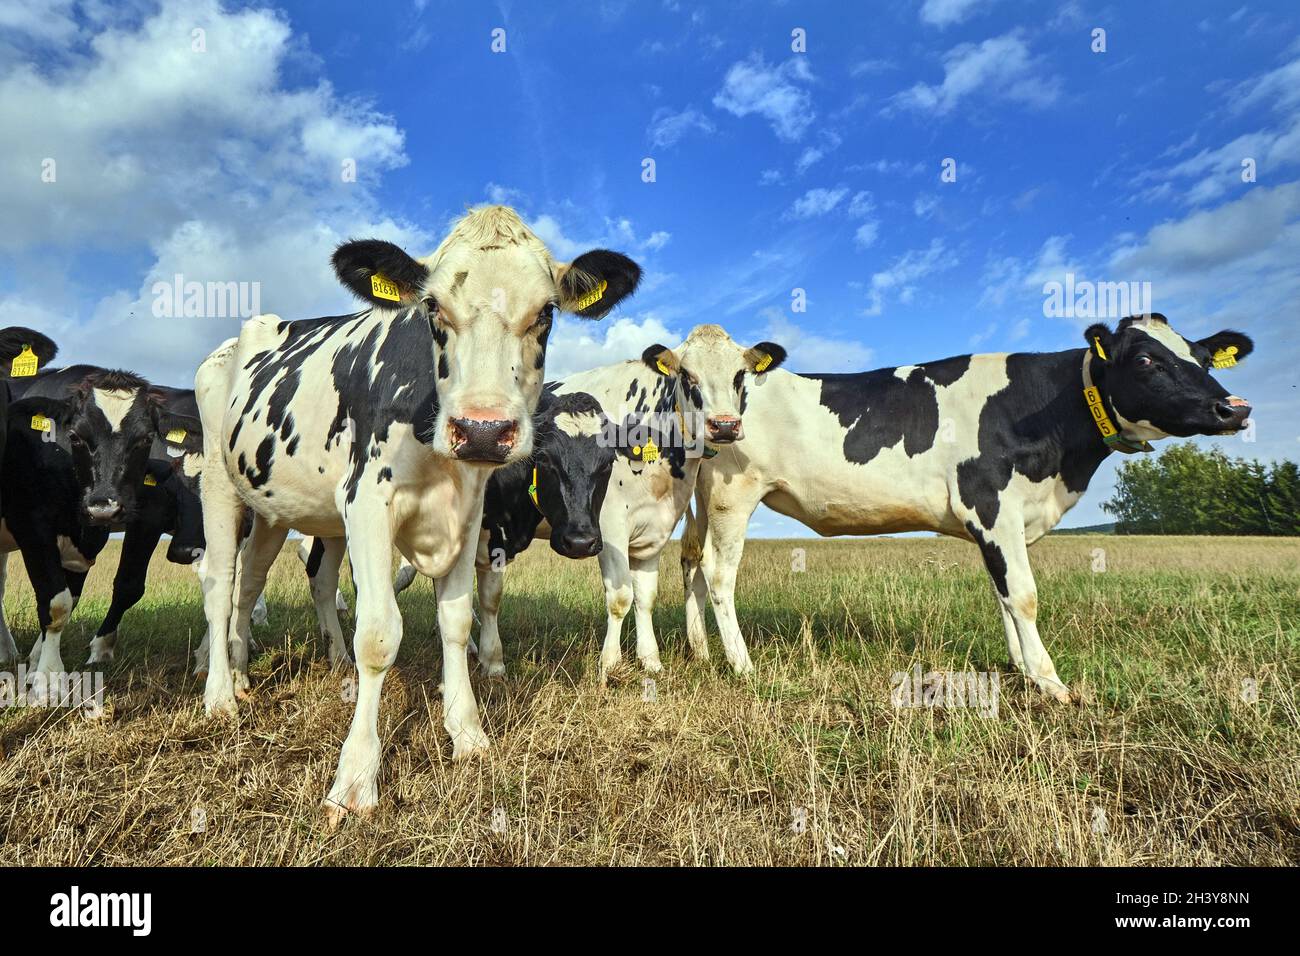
(74, 467)
(667, 411)
(556, 494)
(990, 448)
(384, 427)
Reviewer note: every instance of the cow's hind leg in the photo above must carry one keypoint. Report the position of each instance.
(261, 548)
(323, 564)
(645, 588)
(694, 584)
(617, 577)
(222, 517)
(8, 648)
(378, 636)
(1006, 557)
(491, 584)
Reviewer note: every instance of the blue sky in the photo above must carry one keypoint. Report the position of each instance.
(218, 156)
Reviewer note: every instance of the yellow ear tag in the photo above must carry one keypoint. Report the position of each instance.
(651, 451)
(150, 480)
(1101, 352)
(25, 363)
(592, 297)
(1226, 358)
(762, 366)
(663, 369)
(41, 424)
(176, 435)
(532, 489)
(383, 288)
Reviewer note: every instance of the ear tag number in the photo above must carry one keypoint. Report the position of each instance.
(383, 288)
(25, 363)
(150, 480)
(650, 452)
(592, 297)
(763, 364)
(176, 435)
(41, 424)
(1226, 358)
(663, 369)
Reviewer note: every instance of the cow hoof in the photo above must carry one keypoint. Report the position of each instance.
(354, 802)
(470, 742)
(651, 664)
(495, 671)
(1056, 691)
(101, 650)
(220, 705)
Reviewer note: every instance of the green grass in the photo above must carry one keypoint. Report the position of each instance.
(1161, 748)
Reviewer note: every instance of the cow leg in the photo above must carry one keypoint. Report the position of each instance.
(128, 587)
(694, 584)
(8, 648)
(261, 548)
(645, 588)
(259, 614)
(491, 658)
(222, 517)
(53, 603)
(324, 578)
(617, 576)
(455, 616)
(405, 576)
(720, 560)
(378, 635)
(1007, 559)
(1014, 657)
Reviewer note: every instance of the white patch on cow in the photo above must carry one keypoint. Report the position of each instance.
(49, 660)
(192, 465)
(1167, 337)
(586, 425)
(115, 404)
(101, 648)
(71, 558)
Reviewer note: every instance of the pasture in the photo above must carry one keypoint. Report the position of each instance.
(1165, 758)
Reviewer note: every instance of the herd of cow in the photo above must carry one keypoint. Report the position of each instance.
(423, 423)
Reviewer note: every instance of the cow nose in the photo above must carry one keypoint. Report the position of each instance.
(1232, 411)
(482, 439)
(582, 544)
(103, 510)
(724, 428)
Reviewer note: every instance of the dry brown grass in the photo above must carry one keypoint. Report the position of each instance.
(1163, 750)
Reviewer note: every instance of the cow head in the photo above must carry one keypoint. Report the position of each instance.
(712, 373)
(573, 468)
(1159, 383)
(489, 293)
(182, 485)
(111, 421)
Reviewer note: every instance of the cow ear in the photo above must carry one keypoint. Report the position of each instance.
(1227, 348)
(1100, 340)
(182, 434)
(661, 359)
(764, 357)
(28, 412)
(380, 273)
(23, 351)
(592, 284)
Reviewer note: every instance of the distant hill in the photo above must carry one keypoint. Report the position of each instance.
(1088, 529)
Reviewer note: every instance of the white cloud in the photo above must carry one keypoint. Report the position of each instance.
(810, 352)
(777, 93)
(862, 204)
(900, 278)
(576, 345)
(667, 127)
(770, 177)
(1001, 65)
(924, 205)
(944, 13)
(807, 158)
(817, 202)
(867, 234)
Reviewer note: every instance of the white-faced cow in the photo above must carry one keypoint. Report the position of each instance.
(671, 407)
(74, 468)
(990, 448)
(384, 427)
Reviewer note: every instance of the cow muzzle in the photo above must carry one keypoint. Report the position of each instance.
(1232, 413)
(577, 544)
(724, 429)
(482, 437)
(103, 510)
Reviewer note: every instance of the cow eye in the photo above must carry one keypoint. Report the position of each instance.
(431, 306)
(1143, 361)
(547, 313)
(74, 438)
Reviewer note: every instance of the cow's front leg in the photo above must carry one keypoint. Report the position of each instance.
(1006, 557)
(645, 588)
(128, 588)
(8, 647)
(616, 574)
(222, 517)
(491, 658)
(720, 561)
(694, 585)
(261, 548)
(455, 616)
(1014, 658)
(54, 600)
(378, 636)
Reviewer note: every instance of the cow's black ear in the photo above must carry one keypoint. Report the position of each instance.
(23, 351)
(1100, 340)
(182, 433)
(380, 273)
(661, 359)
(764, 357)
(1227, 348)
(35, 412)
(596, 281)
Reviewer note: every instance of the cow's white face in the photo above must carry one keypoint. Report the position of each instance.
(489, 293)
(713, 375)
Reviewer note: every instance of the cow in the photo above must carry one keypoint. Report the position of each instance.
(75, 463)
(675, 407)
(22, 353)
(991, 448)
(383, 427)
(556, 494)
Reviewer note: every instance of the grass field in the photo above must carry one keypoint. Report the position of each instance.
(1164, 761)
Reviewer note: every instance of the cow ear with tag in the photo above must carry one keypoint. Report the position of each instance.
(1227, 348)
(181, 434)
(380, 273)
(592, 284)
(764, 357)
(1100, 340)
(23, 352)
(41, 414)
(661, 359)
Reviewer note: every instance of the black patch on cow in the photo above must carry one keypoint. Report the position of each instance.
(385, 474)
(314, 557)
(292, 446)
(994, 559)
(264, 457)
(879, 410)
(443, 369)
